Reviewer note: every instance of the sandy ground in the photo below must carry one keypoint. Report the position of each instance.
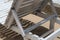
(36, 19)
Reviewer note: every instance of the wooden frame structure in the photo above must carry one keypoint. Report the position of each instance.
(21, 8)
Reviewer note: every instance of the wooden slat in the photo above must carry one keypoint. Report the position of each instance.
(7, 33)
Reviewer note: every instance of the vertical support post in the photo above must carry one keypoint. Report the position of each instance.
(52, 21)
(10, 22)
